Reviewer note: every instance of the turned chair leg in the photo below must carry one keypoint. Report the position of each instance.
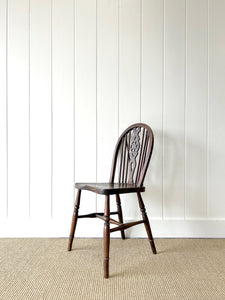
(120, 214)
(106, 236)
(146, 222)
(74, 220)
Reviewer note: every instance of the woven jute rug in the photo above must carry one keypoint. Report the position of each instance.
(43, 269)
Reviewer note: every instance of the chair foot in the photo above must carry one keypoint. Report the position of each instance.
(74, 220)
(106, 268)
(70, 242)
(153, 246)
(150, 237)
(146, 222)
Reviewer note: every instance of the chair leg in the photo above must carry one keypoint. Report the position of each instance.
(74, 220)
(106, 236)
(120, 214)
(146, 222)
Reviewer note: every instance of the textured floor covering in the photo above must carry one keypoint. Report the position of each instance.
(43, 269)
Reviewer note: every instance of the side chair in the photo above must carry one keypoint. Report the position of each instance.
(129, 165)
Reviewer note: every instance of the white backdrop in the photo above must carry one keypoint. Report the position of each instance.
(74, 74)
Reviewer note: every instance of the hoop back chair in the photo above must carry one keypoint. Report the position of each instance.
(130, 163)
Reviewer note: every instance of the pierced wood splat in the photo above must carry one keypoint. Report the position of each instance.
(133, 152)
(132, 156)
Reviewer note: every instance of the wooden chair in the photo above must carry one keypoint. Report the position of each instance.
(130, 162)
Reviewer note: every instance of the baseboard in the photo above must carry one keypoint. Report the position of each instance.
(193, 228)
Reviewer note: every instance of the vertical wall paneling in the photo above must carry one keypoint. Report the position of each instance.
(62, 99)
(18, 108)
(3, 109)
(40, 108)
(152, 98)
(85, 98)
(107, 88)
(129, 76)
(174, 107)
(129, 62)
(74, 74)
(196, 109)
(216, 141)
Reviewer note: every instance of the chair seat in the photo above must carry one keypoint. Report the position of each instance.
(110, 188)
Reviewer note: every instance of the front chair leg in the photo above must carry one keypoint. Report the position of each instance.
(146, 222)
(120, 214)
(74, 220)
(106, 236)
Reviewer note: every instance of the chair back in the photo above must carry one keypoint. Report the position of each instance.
(132, 155)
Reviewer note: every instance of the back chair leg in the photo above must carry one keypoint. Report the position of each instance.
(74, 220)
(120, 214)
(146, 222)
(106, 236)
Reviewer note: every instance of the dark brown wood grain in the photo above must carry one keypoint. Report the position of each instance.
(131, 159)
(146, 222)
(74, 220)
(120, 214)
(110, 188)
(106, 235)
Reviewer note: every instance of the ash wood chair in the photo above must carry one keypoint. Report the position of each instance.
(130, 163)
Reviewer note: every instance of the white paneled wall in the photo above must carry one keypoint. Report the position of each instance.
(40, 103)
(74, 74)
(3, 112)
(196, 109)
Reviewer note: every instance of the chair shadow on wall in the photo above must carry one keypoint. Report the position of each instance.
(183, 179)
(173, 176)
